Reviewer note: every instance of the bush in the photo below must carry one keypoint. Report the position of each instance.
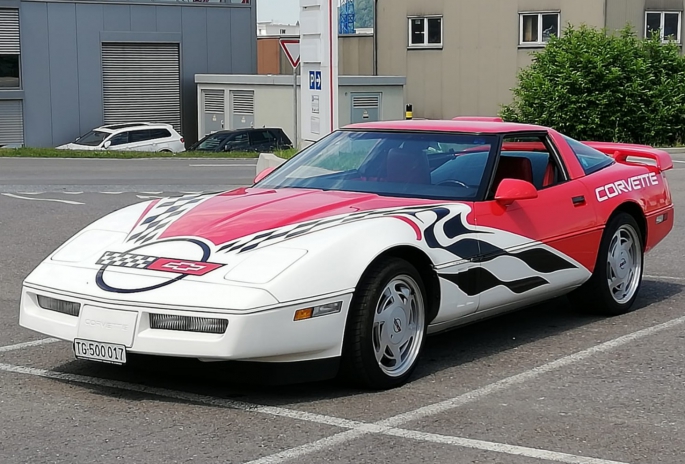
(592, 85)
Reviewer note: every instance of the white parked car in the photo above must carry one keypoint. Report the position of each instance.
(141, 136)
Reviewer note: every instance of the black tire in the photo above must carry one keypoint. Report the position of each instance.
(595, 296)
(359, 364)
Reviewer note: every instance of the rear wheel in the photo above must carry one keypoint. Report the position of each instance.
(386, 326)
(616, 281)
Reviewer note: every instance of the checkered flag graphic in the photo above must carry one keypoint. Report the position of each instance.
(287, 232)
(129, 260)
(162, 215)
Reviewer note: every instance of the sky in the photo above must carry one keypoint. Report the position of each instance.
(280, 11)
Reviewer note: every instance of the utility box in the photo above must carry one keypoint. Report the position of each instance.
(239, 101)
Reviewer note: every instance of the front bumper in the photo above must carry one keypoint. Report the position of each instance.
(266, 336)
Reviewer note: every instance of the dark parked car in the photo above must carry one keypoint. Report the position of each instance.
(260, 140)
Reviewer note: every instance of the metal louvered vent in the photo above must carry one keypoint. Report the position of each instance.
(141, 83)
(365, 102)
(9, 31)
(243, 102)
(11, 122)
(214, 101)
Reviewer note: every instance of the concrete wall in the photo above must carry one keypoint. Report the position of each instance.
(392, 105)
(61, 68)
(476, 68)
(355, 56)
(268, 55)
(622, 12)
(274, 97)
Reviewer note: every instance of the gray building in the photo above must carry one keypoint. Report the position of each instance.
(69, 66)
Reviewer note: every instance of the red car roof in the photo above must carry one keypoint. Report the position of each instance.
(448, 126)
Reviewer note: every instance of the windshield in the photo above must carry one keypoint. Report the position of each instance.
(212, 142)
(93, 138)
(390, 163)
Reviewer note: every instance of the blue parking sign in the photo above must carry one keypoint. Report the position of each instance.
(314, 80)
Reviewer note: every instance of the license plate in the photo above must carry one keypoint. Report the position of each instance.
(98, 351)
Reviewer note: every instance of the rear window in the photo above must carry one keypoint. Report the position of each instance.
(160, 133)
(590, 159)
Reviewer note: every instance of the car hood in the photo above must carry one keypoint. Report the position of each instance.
(224, 217)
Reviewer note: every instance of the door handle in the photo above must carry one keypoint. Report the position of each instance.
(579, 200)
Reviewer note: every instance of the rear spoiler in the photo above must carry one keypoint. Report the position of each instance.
(622, 151)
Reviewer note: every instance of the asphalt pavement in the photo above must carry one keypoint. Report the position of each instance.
(545, 384)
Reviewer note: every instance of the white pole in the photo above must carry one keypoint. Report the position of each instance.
(296, 142)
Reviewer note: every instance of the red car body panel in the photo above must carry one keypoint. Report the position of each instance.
(569, 216)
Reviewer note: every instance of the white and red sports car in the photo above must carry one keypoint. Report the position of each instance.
(355, 249)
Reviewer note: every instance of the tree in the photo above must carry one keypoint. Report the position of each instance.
(592, 85)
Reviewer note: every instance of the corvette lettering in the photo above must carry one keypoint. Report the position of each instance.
(624, 186)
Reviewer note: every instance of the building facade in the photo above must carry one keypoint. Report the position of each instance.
(462, 57)
(69, 66)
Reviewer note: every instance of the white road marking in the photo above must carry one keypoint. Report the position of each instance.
(387, 426)
(469, 397)
(498, 447)
(663, 277)
(30, 193)
(184, 396)
(69, 202)
(222, 165)
(678, 161)
(151, 193)
(111, 193)
(191, 193)
(72, 193)
(148, 197)
(21, 346)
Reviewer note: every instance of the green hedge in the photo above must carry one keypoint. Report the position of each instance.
(592, 85)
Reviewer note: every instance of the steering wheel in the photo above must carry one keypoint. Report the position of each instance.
(453, 182)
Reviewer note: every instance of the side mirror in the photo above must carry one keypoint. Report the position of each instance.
(511, 190)
(107, 144)
(263, 174)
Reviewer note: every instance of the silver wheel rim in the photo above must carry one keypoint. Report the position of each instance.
(398, 324)
(624, 264)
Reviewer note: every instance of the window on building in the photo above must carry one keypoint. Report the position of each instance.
(664, 23)
(9, 71)
(425, 32)
(537, 28)
(9, 48)
(283, 31)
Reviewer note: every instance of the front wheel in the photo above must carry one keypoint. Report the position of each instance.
(616, 281)
(386, 326)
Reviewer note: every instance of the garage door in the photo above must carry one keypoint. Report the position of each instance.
(11, 122)
(141, 83)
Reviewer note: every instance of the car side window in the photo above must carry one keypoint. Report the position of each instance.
(140, 136)
(119, 139)
(590, 159)
(529, 158)
(159, 134)
(258, 137)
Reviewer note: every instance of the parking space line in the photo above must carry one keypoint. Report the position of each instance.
(498, 447)
(69, 202)
(469, 397)
(21, 346)
(663, 277)
(222, 165)
(185, 396)
(357, 429)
